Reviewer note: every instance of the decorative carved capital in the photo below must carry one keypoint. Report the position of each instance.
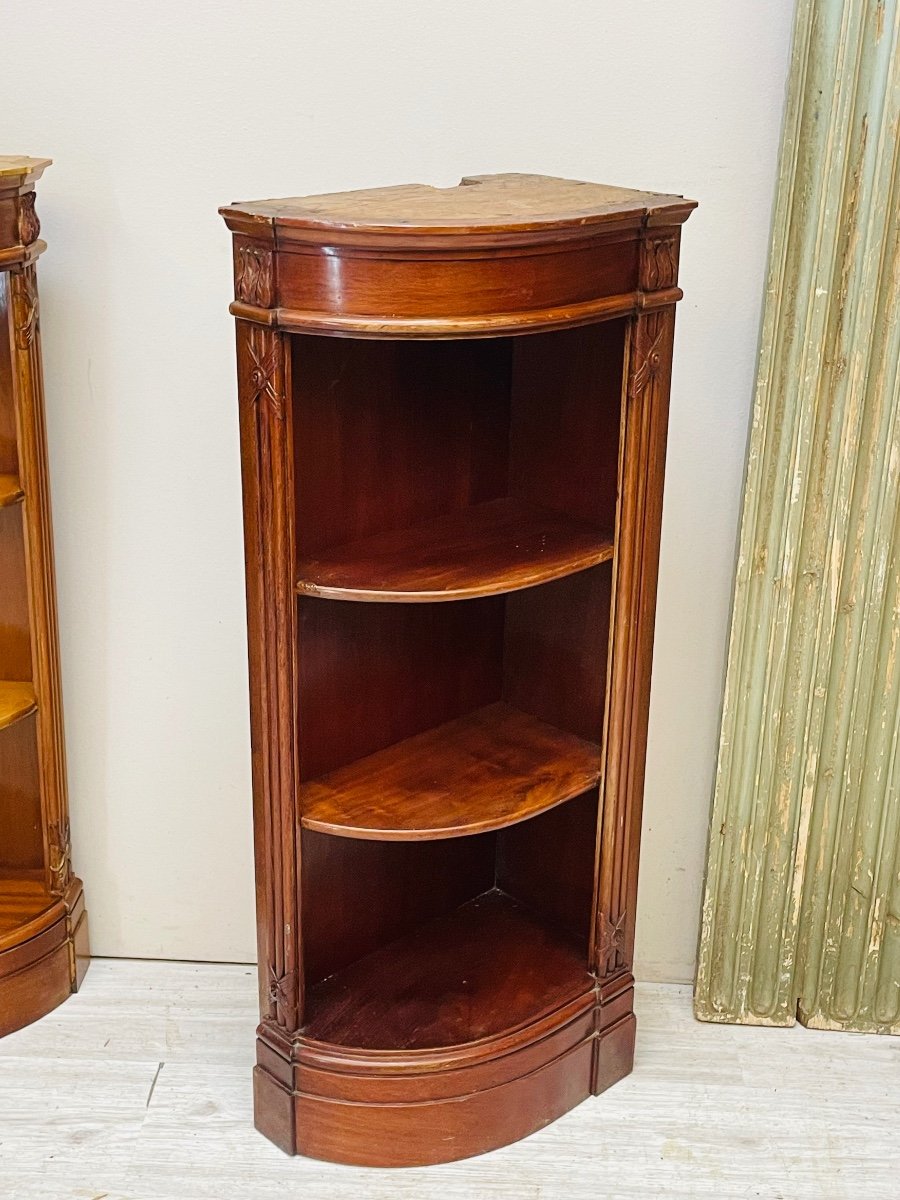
(283, 999)
(610, 937)
(254, 283)
(264, 349)
(659, 264)
(29, 225)
(26, 313)
(648, 353)
(60, 857)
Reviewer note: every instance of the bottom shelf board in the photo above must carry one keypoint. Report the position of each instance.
(16, 700)
(488, 769)
(487, 968)
(23, 898)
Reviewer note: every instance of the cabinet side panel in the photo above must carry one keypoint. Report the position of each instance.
(359, 895)
(373, 674)
(564, 431)
(391, 434)
(645, 419)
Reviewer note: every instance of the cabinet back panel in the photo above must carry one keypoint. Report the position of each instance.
(373, 674)
(390, 434)
(547, 863)
(15, 639)
(565, 417)
(359, 895)
(556, 644)
(8, 452)
(21, 839)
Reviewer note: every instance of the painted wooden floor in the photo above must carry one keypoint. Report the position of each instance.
(139, 1089)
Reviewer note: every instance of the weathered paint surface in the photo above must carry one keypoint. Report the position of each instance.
(801, 914)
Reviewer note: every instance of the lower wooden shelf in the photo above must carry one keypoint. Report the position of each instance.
(23, 899)
(487, 968)
(16, 700)
(489, 769)
(10, 490)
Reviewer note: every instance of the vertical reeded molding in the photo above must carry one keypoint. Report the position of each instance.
(801, 913)
(267, 455)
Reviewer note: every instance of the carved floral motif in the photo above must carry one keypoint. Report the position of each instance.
(253, 279)
(265, 388)
(26, 312)
(283, 998)
(659, 264)
(60, 857)
(649, 356)
(29, 225)
(610, 936)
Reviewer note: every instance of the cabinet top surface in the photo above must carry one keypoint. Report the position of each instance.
(17, 164)
(484, 203)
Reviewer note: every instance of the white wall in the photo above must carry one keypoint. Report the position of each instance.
(156, 114)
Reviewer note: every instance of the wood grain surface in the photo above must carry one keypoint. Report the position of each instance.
(485, 770)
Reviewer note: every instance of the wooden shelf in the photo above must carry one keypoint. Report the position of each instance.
(486, 770)
(487, 968)
(10, 490)
(16, 700)
(23, 899)
(499, 546)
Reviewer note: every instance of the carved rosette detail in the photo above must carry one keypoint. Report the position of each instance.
(26, 310)
(610, 937)
(29, 225)
(264, 350)
(283, 999)
(659, 264)
(60, 857)
(254, 281)
(649, 354)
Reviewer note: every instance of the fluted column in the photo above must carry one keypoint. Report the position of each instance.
(801, 913)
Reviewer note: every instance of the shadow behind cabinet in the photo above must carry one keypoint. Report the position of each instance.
(43, 926)
(452, 534)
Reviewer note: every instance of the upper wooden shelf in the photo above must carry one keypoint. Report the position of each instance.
(499, 546)
(10, 490)
(489, 769)
(16, 700)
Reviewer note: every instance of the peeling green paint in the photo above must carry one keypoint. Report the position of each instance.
(801, 913)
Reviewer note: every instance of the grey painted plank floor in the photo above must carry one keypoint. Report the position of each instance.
(138, 1088)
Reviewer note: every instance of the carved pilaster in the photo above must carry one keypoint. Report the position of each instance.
(271, 607)
(34, 473)
(634, 606)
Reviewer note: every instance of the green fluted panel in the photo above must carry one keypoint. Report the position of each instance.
(801, 912)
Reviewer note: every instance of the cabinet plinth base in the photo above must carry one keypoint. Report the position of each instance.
(47, 965)
(417, 1108)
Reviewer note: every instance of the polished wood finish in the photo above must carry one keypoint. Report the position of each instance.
(452, 535)
(498, 546)
(483, 771)
(16, 700)
(43, 926)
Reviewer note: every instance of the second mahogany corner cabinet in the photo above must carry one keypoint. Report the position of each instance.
(453, 418)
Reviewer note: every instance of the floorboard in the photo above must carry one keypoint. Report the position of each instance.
(138, 1089)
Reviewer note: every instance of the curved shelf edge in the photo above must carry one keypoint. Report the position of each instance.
(10, 490)
(490, 549)
(17, 700)
(488, 770)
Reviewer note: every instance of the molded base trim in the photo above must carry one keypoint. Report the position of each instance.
(401, 1109)
(37, 975)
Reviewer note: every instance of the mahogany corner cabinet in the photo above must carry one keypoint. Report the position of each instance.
(43, 925)
(453, 410)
